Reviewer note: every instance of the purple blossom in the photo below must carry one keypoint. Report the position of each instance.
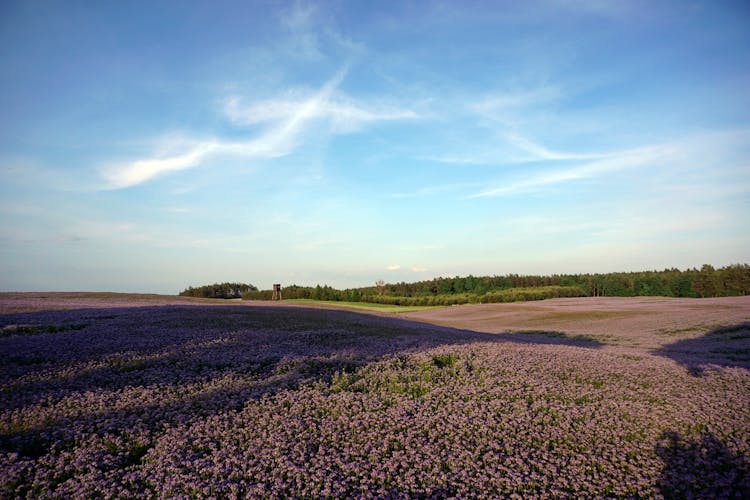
(237, 401)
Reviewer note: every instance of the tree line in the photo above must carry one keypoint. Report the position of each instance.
(704, 282)
(219, 291)
(707, 281)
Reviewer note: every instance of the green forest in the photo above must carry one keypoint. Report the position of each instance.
(219, 291)
(707, 281)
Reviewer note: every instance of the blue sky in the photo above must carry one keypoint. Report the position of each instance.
(148, 146)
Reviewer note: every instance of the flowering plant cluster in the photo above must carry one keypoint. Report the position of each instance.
(264, 402)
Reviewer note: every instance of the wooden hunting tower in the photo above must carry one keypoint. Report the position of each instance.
(276, 292)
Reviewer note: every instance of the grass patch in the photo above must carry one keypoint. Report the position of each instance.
(136, 452)
(402, 376)
(444, 360)
(362, 305)
(20, 330)
(682, 331)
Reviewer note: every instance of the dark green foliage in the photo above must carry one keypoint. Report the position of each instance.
(260, 295)
(136, 452)
(318, 292)
(219, 291)
(706, 282)
(444, 360)
(736, 279)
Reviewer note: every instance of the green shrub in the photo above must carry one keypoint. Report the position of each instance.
(444, 360)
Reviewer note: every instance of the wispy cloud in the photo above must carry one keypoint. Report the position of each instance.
(283, 136)
(507, 114)
(540, 152)
(514, 149)
(312, 33)
(613, 162)
(143, 170)
(286, 119)
(497, 105)
(394, 267)
(344, 114)
(426, 191)
(278, 140)
(299, 19)
(459, 159)
(417, 269)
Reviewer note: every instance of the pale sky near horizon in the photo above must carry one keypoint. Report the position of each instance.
(149, 146)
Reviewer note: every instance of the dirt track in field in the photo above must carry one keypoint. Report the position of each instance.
(644, 322)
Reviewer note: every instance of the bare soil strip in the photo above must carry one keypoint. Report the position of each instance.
(644, 322)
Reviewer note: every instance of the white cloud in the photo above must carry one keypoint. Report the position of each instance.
(613, 162)
(143, 170)
(342, 113)
(312, 33)
(394, 267)
(288, 119)
(417, 269)
(540, 152)
(522, 150)
(495, 106)
(719, 152)
(278, 140)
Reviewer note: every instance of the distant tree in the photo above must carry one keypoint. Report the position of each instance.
(735, 279)
(219, 291)
(682, 285)
(445, 286)
(705, 285)
(617, 285)
(706, 282)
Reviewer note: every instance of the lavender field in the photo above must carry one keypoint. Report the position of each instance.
(114, 397)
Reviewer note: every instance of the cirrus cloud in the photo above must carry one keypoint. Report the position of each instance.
(288, 121)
